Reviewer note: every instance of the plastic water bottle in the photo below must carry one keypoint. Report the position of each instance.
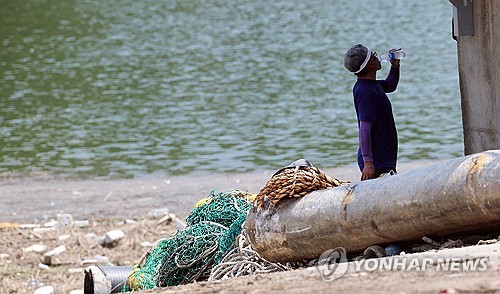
(398, 54)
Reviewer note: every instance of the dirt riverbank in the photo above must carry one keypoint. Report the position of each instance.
(40, 197)
(130, 205)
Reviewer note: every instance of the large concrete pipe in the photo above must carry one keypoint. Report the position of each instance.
(460, 195)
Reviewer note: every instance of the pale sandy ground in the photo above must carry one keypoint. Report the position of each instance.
(38, 198)
(436, 278)
(41, 197)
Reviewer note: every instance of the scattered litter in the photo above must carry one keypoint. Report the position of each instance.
(47, 256)
(39, 248)
(51, 224)
(97, 259)
(159, 212)
(125, 222)
(101, 259)
(87, 261)
(374, 251)
(179, 224)
(64, 219)
(146, 244)
(29, 226)
(430, 241)
(64, 237)
(421, 247)
(81, 223)
(44, 230)
(447, 244)
(43, 266)
(56, 251)
(111, 238)
(452, 244)
(484, 242)
(392, 250)
(35, 284)
(76, 270)
(66, 268)
(45, 290)
(90, 236)
(166, 219)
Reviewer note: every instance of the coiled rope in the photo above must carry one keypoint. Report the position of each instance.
(296, 181)
(243, 261)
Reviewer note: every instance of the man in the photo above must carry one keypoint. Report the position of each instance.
(378, 140)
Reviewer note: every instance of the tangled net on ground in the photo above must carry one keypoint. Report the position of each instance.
(295, 181)
(243, 261)
(227, 241)
(207, 249)
(189, 254)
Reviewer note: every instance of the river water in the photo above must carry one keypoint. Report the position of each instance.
(130, 88)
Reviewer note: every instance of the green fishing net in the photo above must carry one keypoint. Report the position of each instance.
(190, 254)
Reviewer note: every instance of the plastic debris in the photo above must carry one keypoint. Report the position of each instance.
(36, 248)
(29, 226)
(111, 238)
(81, 223)
(374, 251)
(159, 212)
(44, 230)
(56, 251)
(167, 219)
(35, 284)
(64, 237)
(102, 259)
(146, 244)
(45, 290)
(90, 236)
(51, 224)
(179, 224)
(43, 266)
(48, 256)
(65, 219)
(393, 249)
(76, 270)
(87, 261)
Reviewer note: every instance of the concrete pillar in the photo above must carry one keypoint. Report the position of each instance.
(479, 72)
